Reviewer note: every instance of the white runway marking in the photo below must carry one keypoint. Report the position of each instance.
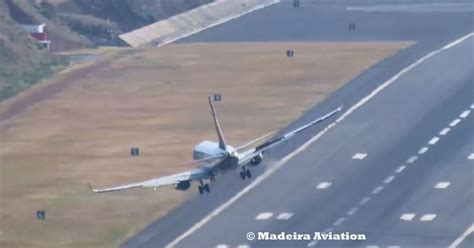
(264, 216)
(400, 168)
(352, 211)
(407, 216)
(471, 156)
(423, 150)
(393, 246)
(324, 185)
(428, 217)
(372, 246)
(463, 236)
(280, 163)
(284, 216)
(359, 156)
(465, 114)
(442, 185)
(472, 106)
(377, 190)
(444, 131)
(312, 243)
(433, 141)
(454, 123)
(364, 200)
(388, 179)
(412, 159)
(339, 221)
(243, 246)
(222, 246)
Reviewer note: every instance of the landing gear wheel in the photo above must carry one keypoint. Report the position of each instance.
(201, 189)
(248, 173)
(242, 175)
(206, 188)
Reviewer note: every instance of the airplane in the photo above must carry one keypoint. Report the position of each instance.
(218, 157)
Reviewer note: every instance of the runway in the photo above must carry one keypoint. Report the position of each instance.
(389, 169)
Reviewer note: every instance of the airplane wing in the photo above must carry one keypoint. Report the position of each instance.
(195, 174)
(247, 155)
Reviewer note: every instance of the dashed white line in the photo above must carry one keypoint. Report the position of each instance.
(393, 246)
(463, 236)
(280, 163)
(407, 216)
(444, 131)
(371, 246)
(472, 106)
(323, 185)
(465, 114)
(412, 159)
(423, 150)
(442, 185)
(243, 246)
(428, 217)
(222, 246)
(359, 156)
(264, 216)
(339, 221)
(312, 243)
(352, 211)
(471, 156)
(377, 190)
(433, 141)
(284, 216)
(388, 179)
(454, 123)
(364, 200)
(400, 168)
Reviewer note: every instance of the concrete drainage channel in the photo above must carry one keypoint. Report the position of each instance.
(191, 22)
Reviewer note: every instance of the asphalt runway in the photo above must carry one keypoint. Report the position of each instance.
(372, 194)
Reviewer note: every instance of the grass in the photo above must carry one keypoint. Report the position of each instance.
(156, 100)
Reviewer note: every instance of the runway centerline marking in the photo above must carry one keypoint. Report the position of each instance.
(222, 246)
(323, 185)
(400, 168)
(423, 150)
(339, 221)
(428, 217)
(264, 216)
(433, 141)
(243, 246)
(407, 216)
(465, 113)
(280, 163)
(364, 200)
(284, 216)
(444, 131)
(463, 236)
(454, 123)
(389, 179)
(412, 159)
(359, 156)
(352, 211)
(377, 190)
(442, 185)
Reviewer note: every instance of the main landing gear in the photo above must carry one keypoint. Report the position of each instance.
(245, 173)
(203, 188)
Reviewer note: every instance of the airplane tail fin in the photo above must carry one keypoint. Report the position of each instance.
(222, 144)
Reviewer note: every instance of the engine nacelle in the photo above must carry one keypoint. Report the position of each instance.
(256, 160)
(183, 185)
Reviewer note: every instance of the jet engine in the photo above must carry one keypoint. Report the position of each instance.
(256, 160)
(183, 185)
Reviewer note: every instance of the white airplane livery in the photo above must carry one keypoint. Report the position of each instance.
(218, 157)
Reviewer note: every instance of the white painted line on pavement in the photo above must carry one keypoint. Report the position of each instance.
(222, 246)
(284, 216)
(388, 179)
(371, 246)
(433, 141)
(352, 211)
(407, 216)
(423, 150)
(465, 114)
(393, 246)
(472, 106)
(324, 185)
(400, 168)
(243, 246)
(444, 131)
(264, 216)
(463, 236)
(471, 156)
(364, 200)
(454, 123)
(428, 217)
(339, 221)
(280, 163)
(412, 159)
(377, 190)
(442, 185)
(312, 243)
(359, 156)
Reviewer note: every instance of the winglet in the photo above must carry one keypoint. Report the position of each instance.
(90, 188)
(222, 144)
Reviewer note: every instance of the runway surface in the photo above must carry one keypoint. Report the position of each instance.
(390, 169)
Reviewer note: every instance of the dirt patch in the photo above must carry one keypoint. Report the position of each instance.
(156, 100)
